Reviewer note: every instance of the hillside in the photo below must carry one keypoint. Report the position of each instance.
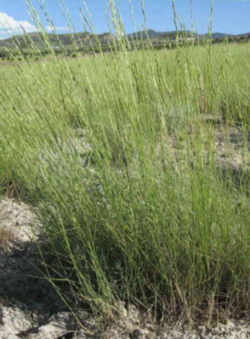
(84, 40)
(26, 41)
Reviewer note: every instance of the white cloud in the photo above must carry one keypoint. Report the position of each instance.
(8, 25)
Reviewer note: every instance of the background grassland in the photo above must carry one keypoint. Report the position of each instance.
(122, 153)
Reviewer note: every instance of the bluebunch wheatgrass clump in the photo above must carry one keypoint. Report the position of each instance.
(139, 164)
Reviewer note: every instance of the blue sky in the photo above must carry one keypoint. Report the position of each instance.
(230, 16)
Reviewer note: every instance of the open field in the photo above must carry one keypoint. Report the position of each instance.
(139, 166)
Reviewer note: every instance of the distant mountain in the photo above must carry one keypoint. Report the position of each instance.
(85, 39)
(55, 40)
(244, 35)
(216, 35)
(150, 33)
(172, 35)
